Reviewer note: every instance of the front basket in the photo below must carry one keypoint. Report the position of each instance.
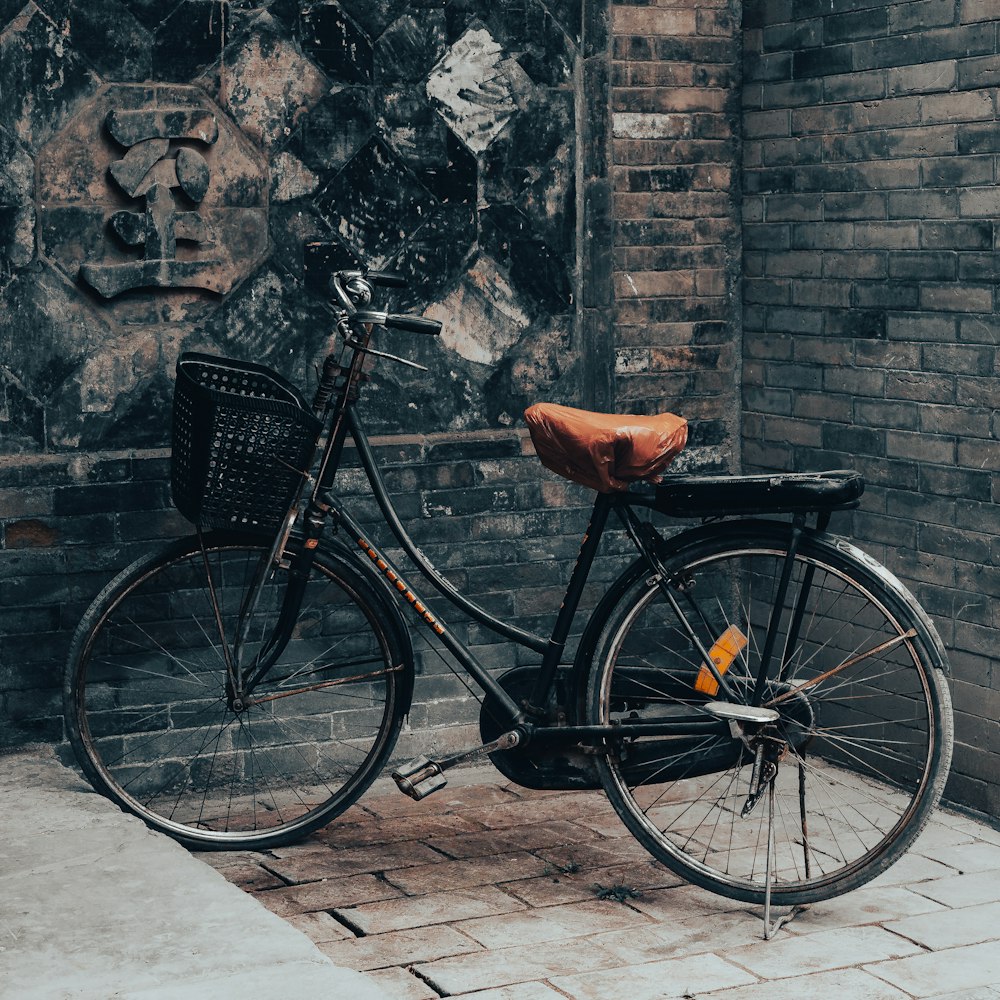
(242, 440)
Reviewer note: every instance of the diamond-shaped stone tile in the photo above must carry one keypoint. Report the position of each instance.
(22, 417)
(9, 9)
(476, 86)
(110, 39)
(190, 38)
(409, 47)
(334, 130)
(269, 320)
(453, 178)
(374, 16)
(17, 172)
(151, 12)
(483, 317)
(544, 49)
(269, 85)
(45, 349)
(17, 235)
(538, 272)
(337, 44)
(375, 203)
(414, 128)
(532, 165)
(42, 79)
(436, 256)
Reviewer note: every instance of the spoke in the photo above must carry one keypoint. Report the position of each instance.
(159, 734)
(323, 685)
(844, 742)
(874, 651)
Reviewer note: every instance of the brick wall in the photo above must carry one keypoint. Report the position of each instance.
(870, 179)
(675, 127)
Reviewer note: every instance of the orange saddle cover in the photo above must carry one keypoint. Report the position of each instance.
(604, 451)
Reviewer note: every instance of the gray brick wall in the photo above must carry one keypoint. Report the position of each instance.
(870, 180)
(675, 149)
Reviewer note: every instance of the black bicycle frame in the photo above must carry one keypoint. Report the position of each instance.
(527, 715)
(322, 506)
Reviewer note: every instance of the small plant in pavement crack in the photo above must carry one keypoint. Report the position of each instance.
(619, 893)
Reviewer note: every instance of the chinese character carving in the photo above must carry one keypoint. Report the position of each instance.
(149, 171)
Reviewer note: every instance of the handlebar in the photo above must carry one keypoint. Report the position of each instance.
(414, 324)
(353, 288)
(387, 279)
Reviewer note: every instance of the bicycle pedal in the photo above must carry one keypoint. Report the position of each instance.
(419, 778)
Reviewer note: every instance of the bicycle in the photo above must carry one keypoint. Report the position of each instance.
(764, 704)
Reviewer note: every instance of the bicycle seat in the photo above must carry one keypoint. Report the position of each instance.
(604, 451)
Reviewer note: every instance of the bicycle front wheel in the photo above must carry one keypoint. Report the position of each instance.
(151, 711)
(864, 731)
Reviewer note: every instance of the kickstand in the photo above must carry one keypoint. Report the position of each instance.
(770, 929)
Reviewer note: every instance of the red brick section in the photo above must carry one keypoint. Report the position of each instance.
(870, 304)
(675, 154)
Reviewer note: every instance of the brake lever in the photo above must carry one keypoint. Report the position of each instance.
(357, 345)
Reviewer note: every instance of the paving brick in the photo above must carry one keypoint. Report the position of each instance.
(480, 870)
(851, 983)
(864, 906)
(320, 927)
(559, 887)
(433, 908)
(522, 991)
(326, 895)
(820, 951)
(962, 968)
(401, 984)
(526, 963)
(529, 838)
(379, 951)
(968, 857)
(951, 928)
(452, 798)
(554, 923)
(327, 863)
(342, 835)
(712, 928)
(571, 806)
(656, 980)
(962, 890)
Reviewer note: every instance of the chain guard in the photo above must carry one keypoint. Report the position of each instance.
(543, 765)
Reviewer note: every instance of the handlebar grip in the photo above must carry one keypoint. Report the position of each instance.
(387, 279)
(415, 324)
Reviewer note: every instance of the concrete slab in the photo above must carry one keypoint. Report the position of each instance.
(94, 905)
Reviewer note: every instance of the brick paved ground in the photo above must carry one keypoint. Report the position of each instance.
(491, 891)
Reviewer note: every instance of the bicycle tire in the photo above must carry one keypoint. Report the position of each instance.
(147, 710)
(869, 742)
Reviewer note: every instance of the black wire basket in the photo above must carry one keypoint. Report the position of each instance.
(242, 439)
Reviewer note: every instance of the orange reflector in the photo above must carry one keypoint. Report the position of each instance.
(727, 647)
(312, 543)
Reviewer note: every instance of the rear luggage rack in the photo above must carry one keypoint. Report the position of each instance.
(768, 493)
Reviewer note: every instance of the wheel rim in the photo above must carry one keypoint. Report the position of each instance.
(163, 736)
(848, 789)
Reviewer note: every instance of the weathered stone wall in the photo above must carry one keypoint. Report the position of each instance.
(870, 171)
(164, 162)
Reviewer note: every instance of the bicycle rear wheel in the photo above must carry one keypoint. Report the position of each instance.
(865, 714)
(155, 728)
